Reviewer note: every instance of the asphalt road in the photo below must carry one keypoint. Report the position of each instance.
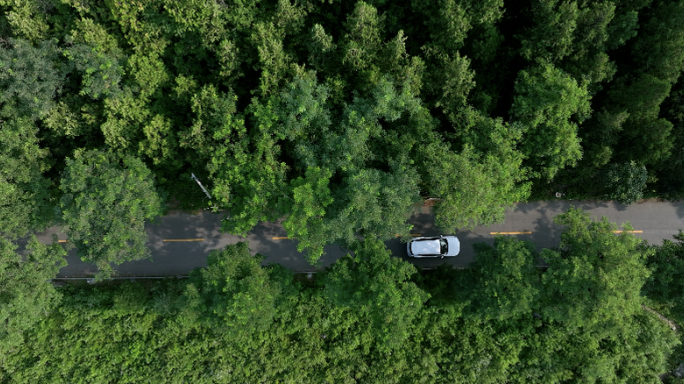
(657, 220)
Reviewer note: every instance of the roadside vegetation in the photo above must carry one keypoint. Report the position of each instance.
(369, 318)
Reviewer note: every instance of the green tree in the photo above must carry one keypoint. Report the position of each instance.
(454, 81)
(596, 276)
(573, 36)
(101, 71)
(26, 19)
(248, 178)
(666, 284)
(26, 204)
(591, 325)
(589, 61)
(30, 78)
(310, 196)
(26, 293)
(648, 136)
(377, 184)
(475, 185)
(551, 37)
(670, 173)
(232, 294)
(503, 281)
(104, 207)
(363, 41)
(626, 182)
(215, 122)
(546, 102)
(659, 47)
(378, 286)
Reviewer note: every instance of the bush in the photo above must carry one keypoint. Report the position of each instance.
(626, 182)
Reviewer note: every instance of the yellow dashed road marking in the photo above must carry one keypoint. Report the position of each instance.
(628, 231)
(167, 240)
(511, 233)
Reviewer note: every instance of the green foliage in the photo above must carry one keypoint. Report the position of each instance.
(591, 324)
(551, 37)
(310, 196)
(626, 182)
(589, 61)
(377, 183)
(363, 40)
(214, 123)
(248, 178)
(25, 202)
(368, 318)
(546, 102)
(101, 72)
(376, 285)
(233, 293)
(666, 284)
(455, 82)
(338, 118)
(659, 49)
(504, 282)
(670, 173)
(26, 292)
(641, 97)
(104, 207)
(26, 19)
(596, 276)
(476, 185)
(30, 78)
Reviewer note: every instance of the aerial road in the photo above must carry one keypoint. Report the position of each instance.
(181, 241)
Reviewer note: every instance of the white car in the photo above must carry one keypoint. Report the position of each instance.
(441, 246)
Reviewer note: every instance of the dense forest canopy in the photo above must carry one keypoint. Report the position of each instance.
(338, 116)
(368, 318)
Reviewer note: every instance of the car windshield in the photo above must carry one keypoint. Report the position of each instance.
(444, 246)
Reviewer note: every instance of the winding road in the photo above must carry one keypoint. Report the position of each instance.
(181, 242)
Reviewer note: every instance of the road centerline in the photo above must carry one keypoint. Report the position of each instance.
(174, 240)
(511, 233)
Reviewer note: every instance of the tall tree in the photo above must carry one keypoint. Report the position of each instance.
(590, 324)
(232, 294)
(475, 185)
(104, 207)
(26, 293)
(378, 286)
(658, 59)
(503, 282)
(548, 102)
(666, 284)
(30, 78)
(596, 276)
(25, 200)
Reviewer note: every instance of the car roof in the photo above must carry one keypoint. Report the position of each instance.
(429, 246)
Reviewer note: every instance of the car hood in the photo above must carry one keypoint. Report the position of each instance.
(454, 246)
